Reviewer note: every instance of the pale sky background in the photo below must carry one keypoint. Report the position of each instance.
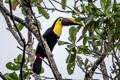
(9, 51)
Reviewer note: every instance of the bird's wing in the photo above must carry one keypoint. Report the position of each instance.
(47, 32)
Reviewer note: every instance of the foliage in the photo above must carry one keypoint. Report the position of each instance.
(102, 28)
(99, 36)
(14, 67)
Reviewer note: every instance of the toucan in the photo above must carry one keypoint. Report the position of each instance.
(51, 36)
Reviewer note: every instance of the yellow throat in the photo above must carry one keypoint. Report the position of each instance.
(58, 27)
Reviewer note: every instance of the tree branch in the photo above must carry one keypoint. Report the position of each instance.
(29, 50)
(11, 29)
(104, 71)
(26, 8)
(100, 59)
(89, 74)
(22, 39)
(2, 7)
(2, 76)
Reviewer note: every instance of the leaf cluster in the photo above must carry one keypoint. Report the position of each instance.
(14, 67)
(101, 29)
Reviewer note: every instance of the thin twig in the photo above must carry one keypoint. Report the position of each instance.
(53, 9)
(52, 3)
(63, 5)
(22, 39)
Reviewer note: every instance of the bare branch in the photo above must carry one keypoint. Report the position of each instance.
(11, 29)
(2, 76)
(64, 5)
(2, 7)
(92, 70)
(53, 9)
(22, 39)
(104, 70)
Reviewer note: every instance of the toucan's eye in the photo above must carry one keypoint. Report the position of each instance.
(60, 19)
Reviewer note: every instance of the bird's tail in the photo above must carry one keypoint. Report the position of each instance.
(37, 65)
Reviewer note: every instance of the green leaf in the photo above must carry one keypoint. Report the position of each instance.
(110, 35)
(72, 33)
(83, 50)
(6, 1)
(118, 47)
(84, 8)
(72, 58)
(62, 42)
(13, 1)
(99, 43)
(34, 1)
(97, 31)
(68, 57)
(108, 3)
(7, 75)
(79, 61)
(117, 76)
(72, 54)
(23, 12)
(43, 12)
(84, 31)
(19, 58)
(16, 61)
(20, 27)
(42, 70)
(89, 19)
(100, 22)
(13, 76)
(103, 2)
(63, 3)
(114, 6)
(118, 63)
(70, 68)
(12, 66)
(85, 39)
(108, 10)
(71, 46)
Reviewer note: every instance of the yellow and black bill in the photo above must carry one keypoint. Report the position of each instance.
(70, 21)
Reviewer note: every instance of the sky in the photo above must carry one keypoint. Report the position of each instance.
(9, 50)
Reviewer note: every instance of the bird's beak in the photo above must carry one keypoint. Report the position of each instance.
(70, 21)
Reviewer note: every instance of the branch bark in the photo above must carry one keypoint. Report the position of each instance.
(104, 70)
(100, 59)
(47, 50)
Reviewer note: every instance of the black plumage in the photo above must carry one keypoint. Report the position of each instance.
(51, 36)
(51, 39)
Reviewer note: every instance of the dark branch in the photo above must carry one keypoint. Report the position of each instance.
(2, 76)
(63, 4)
(2, 7)
(53, 9)
(22, 39)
